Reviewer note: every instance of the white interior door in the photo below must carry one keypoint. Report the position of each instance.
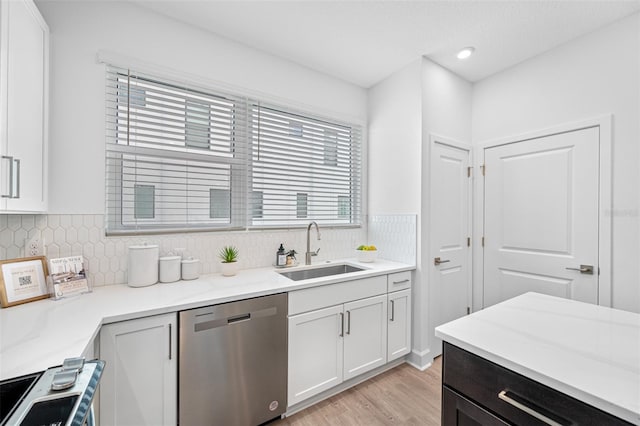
(541, 217)
(450, 231)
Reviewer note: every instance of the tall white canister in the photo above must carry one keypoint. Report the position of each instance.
(142, 268)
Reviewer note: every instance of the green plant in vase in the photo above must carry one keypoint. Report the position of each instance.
(229, 257)
(228, 254)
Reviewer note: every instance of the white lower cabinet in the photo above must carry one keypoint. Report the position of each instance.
(139, 384)
(330, 345)
(365, 335)
(355, 334)
(315, 353)
(399, 324)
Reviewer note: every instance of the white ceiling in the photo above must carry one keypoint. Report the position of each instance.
(365, 41)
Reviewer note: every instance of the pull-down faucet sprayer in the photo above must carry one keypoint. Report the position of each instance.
(309, 253)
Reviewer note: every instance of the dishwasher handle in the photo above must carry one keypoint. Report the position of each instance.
(239, 318)
(235, 319)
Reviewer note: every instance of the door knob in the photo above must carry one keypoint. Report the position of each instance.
(583, 269)
(437, 261)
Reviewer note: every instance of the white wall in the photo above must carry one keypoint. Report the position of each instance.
(420, 99)
(395, 126)
(596, 74)
(80, 29)
(395, 135)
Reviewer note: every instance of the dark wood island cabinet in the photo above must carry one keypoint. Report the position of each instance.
(476, 391)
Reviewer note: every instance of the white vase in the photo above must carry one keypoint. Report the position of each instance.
(229, 269)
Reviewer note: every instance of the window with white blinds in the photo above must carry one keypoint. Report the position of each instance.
(180, 157)
(306, 168)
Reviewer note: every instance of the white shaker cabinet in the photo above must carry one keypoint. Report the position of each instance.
(399, 324)
(315, 352)
(139, 383)
(365, 335)
(336, 332)
(330, 345)
(24, 85)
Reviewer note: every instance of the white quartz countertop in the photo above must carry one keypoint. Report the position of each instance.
(589, 352)
(38, 335)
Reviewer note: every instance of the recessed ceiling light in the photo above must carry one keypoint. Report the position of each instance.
(466, 52)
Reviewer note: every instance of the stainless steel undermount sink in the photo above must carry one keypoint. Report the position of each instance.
(322, 271)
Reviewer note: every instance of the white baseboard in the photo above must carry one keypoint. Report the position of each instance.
(420, 360)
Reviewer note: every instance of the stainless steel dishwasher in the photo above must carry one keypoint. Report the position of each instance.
(233, 363)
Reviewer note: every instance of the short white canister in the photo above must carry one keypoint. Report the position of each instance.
(190, 268)
(142, 266)
(170, 269)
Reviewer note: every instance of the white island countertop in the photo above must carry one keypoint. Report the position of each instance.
(38, 335)
(589, 352)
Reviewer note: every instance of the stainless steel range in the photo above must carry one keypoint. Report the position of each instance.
(58, 396)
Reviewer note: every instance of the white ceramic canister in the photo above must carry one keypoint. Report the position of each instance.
(142, 267)
(170, 269)
(190, 268)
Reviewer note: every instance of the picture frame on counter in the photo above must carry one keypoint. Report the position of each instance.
(68, 277)
(23, 280)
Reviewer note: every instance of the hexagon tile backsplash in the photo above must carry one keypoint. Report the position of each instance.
(106, 257)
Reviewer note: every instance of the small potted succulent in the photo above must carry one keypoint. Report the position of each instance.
(229, 257)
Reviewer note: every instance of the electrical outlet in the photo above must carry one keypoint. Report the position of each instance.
(34, 246)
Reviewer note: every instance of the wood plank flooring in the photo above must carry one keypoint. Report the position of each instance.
(401, 396)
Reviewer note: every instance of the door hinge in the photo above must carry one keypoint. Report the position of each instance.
(468, 241)
(482, 242)
(469, 171)
(468, 310)
(483, 169)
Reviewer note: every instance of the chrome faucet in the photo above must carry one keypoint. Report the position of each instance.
(309, 253)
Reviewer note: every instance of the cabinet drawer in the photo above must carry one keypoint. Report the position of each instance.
(481, 381)
(322, 296)
(398, 281)
(459, 411)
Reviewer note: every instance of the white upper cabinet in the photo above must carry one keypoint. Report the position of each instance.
(24, 86)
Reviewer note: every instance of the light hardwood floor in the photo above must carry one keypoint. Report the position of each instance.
(401, 396)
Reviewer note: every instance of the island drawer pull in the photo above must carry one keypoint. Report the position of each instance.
(530, 411)
(402, 281)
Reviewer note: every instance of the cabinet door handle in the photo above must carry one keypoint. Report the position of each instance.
(170, 345)
(17, 160)
(393, 310)
(10, 194)
(503, 395)
(348, 322)
(341, 324)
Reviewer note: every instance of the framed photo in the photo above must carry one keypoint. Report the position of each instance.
(23, 280)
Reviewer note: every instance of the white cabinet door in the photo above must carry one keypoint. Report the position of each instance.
(139, 384)
(365, 335)
(24, 52)
(399, 324)
(315, 353)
